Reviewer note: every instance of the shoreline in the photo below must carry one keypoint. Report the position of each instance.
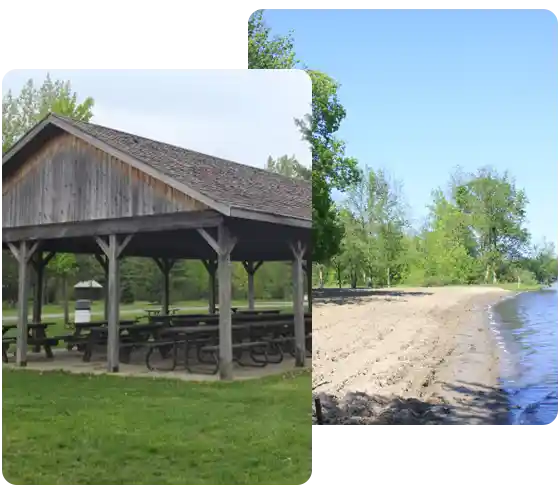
(409, 356)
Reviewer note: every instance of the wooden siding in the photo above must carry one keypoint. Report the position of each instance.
(68, 180)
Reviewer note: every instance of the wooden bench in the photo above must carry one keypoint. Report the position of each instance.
(164, 345)
(213, 351)
(6, 343)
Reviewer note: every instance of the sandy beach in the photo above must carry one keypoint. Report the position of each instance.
(407, 356)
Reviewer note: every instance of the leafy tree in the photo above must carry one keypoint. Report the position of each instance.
(331, 169)
(21, 113)
(446, 258)
(496, 211)
(267, 51)
(288, 166)
(377, 207)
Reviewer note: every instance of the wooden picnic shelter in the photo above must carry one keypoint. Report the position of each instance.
(75, 187)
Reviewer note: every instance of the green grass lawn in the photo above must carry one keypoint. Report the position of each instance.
(132, 309)
(74, 429)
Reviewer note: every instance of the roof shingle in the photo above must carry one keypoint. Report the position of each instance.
(227, 182)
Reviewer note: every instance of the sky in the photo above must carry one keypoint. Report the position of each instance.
(244, 116)
(426, 91)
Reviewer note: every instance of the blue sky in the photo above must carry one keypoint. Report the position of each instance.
(426, 91)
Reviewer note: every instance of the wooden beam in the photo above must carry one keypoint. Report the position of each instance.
(299, 317)
(113, 300)
(209, 239)
(47, 258)
(14, 250)
(103, 245)
(123, 244)
(273, 218)
(127, 226)
(159, 264)
(102, 261)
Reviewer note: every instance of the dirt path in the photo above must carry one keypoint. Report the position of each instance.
(408, 356)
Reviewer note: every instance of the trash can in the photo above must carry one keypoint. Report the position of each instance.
(82, 313)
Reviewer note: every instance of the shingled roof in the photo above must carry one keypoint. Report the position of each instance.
(227, 183)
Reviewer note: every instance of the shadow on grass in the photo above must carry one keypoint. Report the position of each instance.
(474, 404)
(357, 296)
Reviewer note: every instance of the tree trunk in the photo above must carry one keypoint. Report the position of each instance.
(339, 278)
(388, 277)
(321, 277)
(487, 275)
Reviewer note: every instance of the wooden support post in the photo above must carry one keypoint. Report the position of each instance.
(36, 262)
(102, 260)
(113, 299)
(165, 265)
(309, 273)
(251, 269)
(299, 317)
(223, 247)
(39, 264)
(211, 266)
(113, 251)
(23, 253)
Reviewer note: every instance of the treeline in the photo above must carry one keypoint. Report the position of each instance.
(475, 233)
(141, 280)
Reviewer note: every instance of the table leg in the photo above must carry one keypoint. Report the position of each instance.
(37, 347)
(5, 353)
(41, 333)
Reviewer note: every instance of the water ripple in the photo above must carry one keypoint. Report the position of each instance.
(526, 328)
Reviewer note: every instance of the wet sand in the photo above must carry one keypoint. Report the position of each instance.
(408, 356)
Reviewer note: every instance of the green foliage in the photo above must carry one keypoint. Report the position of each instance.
(21, 113)
(476, 234)
(331, 169)
(288, 166)
(267, 51)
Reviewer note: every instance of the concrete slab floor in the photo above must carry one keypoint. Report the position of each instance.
(71, 361)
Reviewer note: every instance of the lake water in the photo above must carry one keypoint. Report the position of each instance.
(526, 327)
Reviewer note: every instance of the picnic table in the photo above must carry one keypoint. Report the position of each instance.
(130, 335)
(36, 336)
(78, 339)
(157, 311)
(6, 342)
(254, 337)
